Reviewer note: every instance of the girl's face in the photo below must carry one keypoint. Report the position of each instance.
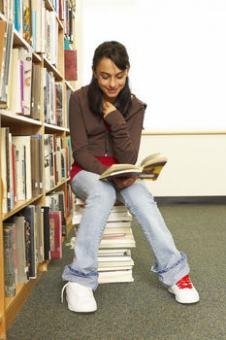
(110, 78)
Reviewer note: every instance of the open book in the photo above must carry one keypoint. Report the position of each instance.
(149, 168)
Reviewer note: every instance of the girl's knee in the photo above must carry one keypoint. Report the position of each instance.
(138, 195)
(103, 194)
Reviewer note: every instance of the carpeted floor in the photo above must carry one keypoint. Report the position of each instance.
(144, 309)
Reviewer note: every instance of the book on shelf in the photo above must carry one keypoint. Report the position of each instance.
(46, 232)
(30, 217)
(21, 262)
(55, 222)
(7, 8)
(7, 42)
(70, 66)
(56, 202)
(9, 237)
(149, 168)
(23, 166)
(3, 27)
(4, 168)
(27, 21)
(40, 233)
(37, 164)
(36, 91)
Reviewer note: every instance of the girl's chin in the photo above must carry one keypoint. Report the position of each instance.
(111, 94)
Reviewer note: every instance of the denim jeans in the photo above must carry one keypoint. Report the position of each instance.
(100, 196)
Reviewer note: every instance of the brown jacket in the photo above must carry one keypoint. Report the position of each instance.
(93, 136)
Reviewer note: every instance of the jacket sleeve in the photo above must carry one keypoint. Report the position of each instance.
(79, 139)
(126, 134)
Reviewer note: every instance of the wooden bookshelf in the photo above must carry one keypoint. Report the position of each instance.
(48, 56)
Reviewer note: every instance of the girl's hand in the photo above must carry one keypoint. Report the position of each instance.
(124, 182)
(108, 107)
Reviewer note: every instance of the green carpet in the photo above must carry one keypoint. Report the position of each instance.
(144, 309)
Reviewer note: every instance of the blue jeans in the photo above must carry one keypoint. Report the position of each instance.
(100, 196)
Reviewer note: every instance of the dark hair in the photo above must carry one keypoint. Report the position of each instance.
(119, 56)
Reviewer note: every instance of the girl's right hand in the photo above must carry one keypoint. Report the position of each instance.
(108, 107)
(122, 183)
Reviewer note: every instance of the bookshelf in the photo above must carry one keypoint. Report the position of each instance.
(40, 111)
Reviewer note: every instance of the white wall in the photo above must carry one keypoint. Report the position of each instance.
(177, 51)
(178, 56)
(196, 164)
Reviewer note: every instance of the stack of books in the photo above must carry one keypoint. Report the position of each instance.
(115, 263)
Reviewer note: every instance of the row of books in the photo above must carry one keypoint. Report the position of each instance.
(44, 26)
(20, 180)
(27, 82)
(31, 21)
(53, 100)
(29, 238)
(6, 44)
(56, 160)
(56, 201)
(31, 164)
(24, 83)
(115, 263)
(32, 236)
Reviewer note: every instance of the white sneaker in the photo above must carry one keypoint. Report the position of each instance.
(80, 298)
(184, 291)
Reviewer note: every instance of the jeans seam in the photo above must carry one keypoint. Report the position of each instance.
(80, 274)
(162, 271)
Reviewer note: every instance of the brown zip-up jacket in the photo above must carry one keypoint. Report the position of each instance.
(113, 136)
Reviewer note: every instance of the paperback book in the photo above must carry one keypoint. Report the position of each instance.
(149, 168)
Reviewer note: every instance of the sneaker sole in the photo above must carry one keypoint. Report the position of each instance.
(82, 310)
(183, 302)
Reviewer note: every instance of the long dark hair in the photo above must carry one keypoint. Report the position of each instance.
(119, 56)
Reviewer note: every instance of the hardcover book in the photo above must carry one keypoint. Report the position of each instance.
(70, 57)
(9, 231)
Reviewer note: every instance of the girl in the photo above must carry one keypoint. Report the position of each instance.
(105, 125)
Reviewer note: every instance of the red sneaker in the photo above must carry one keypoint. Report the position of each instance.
(184, 291)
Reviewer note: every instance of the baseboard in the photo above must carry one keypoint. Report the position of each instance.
(191, 199)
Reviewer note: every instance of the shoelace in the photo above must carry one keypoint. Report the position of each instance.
(62, 292)
(185, 282)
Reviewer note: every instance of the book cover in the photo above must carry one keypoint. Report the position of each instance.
(6, 69)
(30, 217)
(70, 57)
(3, 27)
(22, 269)
(27, 30)
(9, 258)
(55, 221)
(46, 233)
(39, 234)
(25, 56)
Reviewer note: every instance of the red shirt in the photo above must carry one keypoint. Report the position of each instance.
(108, 161)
